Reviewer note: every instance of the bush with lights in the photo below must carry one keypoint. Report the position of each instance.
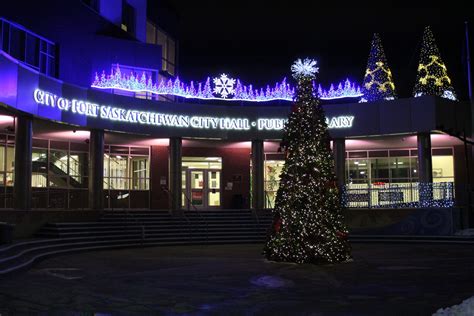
(432, 77)
(308, 225)
(378, 82)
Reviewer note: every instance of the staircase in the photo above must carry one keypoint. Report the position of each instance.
(122, 229)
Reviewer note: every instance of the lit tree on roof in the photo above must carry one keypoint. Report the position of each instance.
(432, 77)
(378, 82)
(308, 225)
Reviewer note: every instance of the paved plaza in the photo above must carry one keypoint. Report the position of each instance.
(383, 279)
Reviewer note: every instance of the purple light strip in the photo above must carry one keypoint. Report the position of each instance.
(281, 90)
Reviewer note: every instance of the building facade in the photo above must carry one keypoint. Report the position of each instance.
(72, 138)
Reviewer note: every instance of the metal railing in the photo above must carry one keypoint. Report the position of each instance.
(416, 195)
(198, 212)
(183, 214)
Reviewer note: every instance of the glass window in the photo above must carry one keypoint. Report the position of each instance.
(414, 169)
(39, 160)
(2, 158)
(28, 48)
(140, 173)
(78, 169)
(214, 195)
(118, 169)
(379, 170)
(399, 169)
(10, 165)
(150, 33)
(58, 168)
(443, 168)
(162, 41)
(32, 51)
(128, 18)
(358, 171)
(126, 171)
(17, 46)
(273, 169)
(171, 51)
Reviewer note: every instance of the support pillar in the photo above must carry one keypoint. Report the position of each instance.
(23, 168)
(96, 170)
(425, 173)
(339, 152)
(258, 194)
(175, 173)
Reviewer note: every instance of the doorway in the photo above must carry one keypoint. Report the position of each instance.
(201, 182)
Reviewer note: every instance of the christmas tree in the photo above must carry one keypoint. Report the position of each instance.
(308, 225)
(432, 77)
(378, 82)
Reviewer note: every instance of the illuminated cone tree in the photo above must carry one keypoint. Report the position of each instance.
(378, 82)
(308, 225)
(432, 77)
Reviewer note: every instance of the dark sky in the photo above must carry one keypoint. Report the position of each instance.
(257, 41)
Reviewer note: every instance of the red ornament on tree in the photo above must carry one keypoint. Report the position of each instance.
(277, 224)
(294, 106)
(342, 235)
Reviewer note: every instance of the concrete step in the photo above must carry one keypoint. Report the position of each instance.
(28, 256)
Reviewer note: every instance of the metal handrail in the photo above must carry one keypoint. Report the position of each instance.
(188, 222)
(206, 225)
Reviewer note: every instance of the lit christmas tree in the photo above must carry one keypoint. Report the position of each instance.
(308, 225)
(432, 77)
(378, 82)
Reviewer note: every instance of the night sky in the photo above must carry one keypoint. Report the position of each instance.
(257, 42)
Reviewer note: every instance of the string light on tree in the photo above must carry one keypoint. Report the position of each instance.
(432, 77)
(308, 224)
(378, 81)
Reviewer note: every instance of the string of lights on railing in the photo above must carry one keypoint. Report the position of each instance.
(415, 195)
(224, 88)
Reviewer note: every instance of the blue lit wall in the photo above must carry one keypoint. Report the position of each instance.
(86, 40)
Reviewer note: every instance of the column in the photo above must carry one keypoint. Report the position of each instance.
(258, 194)
(425, 175)
(339, 152)
(175, 173)
(96, 170)
(23, 145)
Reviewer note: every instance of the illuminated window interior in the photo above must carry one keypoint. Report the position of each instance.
(272, 173)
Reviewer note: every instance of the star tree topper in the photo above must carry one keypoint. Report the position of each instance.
(304, 68)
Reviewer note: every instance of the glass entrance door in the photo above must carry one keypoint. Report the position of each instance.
(197, 187)
(213, 188)
(201, 188)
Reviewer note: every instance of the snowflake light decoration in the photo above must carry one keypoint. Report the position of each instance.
(305, 68)
(232, 89)
(224, 85)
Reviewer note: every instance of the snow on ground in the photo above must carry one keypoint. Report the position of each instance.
(466, 308)
(465, 232)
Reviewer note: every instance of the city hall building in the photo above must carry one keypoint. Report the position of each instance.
(94, 117)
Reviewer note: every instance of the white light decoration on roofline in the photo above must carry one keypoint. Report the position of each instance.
(225, 88)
